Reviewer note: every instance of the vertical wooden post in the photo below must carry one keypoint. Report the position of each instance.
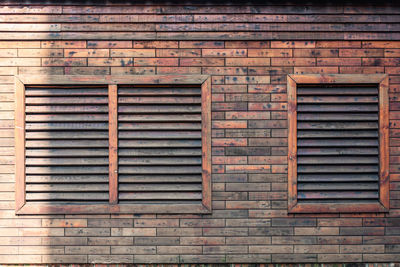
(113, 142)
(206, 142)
(292, 142)
(19, 144)
(384, 142)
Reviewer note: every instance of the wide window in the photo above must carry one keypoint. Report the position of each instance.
(338, 143)
(87, 144)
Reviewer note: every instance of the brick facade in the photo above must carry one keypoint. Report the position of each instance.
(249, 222)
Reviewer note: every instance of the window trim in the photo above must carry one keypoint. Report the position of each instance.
(21, 207)
(380, 206)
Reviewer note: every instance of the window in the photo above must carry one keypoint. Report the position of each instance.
(338, 143)
(87, 144)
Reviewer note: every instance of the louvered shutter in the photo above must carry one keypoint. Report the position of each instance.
(337, 143)
(66, 144)
(159, 144)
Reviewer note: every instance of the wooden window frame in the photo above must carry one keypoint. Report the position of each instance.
(380, 79)
(22, 207)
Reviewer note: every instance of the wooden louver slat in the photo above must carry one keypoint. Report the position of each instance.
(159, 147)
(337, 143)
(66, 144)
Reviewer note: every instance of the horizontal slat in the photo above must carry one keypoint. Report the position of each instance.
(122, 91)
(160, 196)
(337, 168)
(337, 117)
(160, 152)
(337, 142)
(337, 160)
(66, 143)
(337, 186)
(337, 91)
(67, 135)
(337, 108)
(67, 126)
(159, 143)
(159, 170)
(67, 152)
(160, 161)
(67, 109)
(67, 179)
(364, 177)
(66, 100)
(66, 118)
(337, 125)
(83, 91)
(66, 196)
(162, 118)
(67, 170)
(337, 99)
(338, 195)
(66, 161)
(159, 134)
(159, 108)
(159, 100)
(175, 178)
(337, 151)
(159, 126)
(336, 134)
(158, 187)
(66, 187)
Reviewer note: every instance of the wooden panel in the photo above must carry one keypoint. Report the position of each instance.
(339, 142)
(67, 144)
(113, 143)
(19, 144)
(292, 143)
(160, 145)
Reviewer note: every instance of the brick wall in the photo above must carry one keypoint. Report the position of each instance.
(249, 222)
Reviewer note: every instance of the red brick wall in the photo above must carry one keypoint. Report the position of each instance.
(249, 222)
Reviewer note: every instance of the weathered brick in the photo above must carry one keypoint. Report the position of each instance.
(316, 231)
(248, 62)
(36, 53)
(110, 259)
(74, 62)
(110, 241)
(340, 257)
(155, 44)
(76, 250)
(201, 44)
(271, 249)
(109, 44)
(202, 240)
(86, 52)
(63, 44)
(292, 44)
(224, 52)
(133, 53)
(64, 223)
(87, 232)
(156, 258)
(133, 250)
(270, 53)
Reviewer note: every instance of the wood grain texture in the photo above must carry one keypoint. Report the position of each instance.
(66, 125)
(19, 144)
(113, 143)
(197, 21)
(384, 142)
(292, 143)
(206, 143)
(322, 135)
